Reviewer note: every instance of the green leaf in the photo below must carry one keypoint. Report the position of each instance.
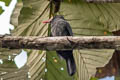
(90, 18)
(31, 17)
(19, 0)
(117, 78)
(5, 53)
(88, 60)
(7, 2)
(1, 10)
(93, 78)
(8, 68)
(27, 18)
(95, 20)
(56, 68)
(16, 13)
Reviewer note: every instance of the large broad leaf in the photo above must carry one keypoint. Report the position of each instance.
(16, 13)
(91, 19)
(8, 68)
(56, 68)
(7, 54)
(30, 23)
(9, 71)
(89, 60)
(31, 17)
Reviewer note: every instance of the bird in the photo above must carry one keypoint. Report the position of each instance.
(60, 27)
(57, 4)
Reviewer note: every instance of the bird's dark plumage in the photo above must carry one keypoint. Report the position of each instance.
(57, 5)
(60, 27)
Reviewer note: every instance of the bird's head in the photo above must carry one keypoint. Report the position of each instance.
(54, 19)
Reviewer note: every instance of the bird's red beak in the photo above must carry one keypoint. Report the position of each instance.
(47, 21)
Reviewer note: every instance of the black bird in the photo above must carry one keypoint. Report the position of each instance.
(57, 5)
(60, 27)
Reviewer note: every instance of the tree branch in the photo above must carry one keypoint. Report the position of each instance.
(60, 43)
(103, 1)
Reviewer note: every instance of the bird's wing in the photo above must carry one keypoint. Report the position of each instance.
(61, 28)
(68, 27)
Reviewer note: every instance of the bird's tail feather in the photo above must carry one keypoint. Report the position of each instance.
(71, 67)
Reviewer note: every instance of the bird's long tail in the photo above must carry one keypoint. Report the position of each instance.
(71, 67)
(68, 56)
